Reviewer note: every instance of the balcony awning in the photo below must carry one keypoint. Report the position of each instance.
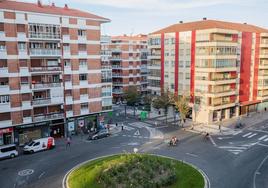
(246, 103)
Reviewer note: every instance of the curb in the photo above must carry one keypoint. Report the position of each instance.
(66, 176)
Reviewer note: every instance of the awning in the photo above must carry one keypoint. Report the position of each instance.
(247, 103)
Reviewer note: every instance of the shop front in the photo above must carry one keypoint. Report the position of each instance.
(6, 136)
(25, 133)
(57, 128)
(82, 124)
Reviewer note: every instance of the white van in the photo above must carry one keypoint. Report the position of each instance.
(8, 151)
(39, 145)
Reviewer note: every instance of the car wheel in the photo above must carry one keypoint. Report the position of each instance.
(12, 155)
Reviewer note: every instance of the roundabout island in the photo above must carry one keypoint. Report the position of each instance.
(134, 170)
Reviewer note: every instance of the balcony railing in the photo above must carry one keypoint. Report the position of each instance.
(48, 117)
(45, 85)
(44, 69)
(44, 35)
(45, 52)
(41, 101)
(117, 91)
(107, 80)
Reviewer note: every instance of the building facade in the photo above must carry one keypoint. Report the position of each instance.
(129, 64)
(50, 71)
(221, 65)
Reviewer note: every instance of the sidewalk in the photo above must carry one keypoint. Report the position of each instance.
(228, 126)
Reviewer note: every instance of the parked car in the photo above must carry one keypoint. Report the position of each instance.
(100, 134)
(8, 151)
(39, 145)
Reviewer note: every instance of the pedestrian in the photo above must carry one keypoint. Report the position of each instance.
(116, 124)
(265, 109)
(155, 123)
(122, 127)
(220, 127)
(68, 142)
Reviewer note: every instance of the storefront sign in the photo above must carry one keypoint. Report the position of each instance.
(71, 126)
(6, 130)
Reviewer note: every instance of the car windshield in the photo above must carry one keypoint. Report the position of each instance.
(31, 143)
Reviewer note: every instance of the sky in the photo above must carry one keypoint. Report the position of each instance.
(146, 16)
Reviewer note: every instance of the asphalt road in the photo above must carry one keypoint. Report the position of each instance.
(230, 161)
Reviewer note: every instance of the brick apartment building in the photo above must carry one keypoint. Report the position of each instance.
(222, 65)
(129, 64)
(50, 71)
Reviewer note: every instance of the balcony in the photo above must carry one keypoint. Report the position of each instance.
(154, 56)
(45, 69)
(117, 75)
(115, 58)
(84, 98)
(45, 52)
(84, 111)
(34, 35)
(46, 85)
(4, 89)
(27, 120)
(38, 102)
(117, 67)
(47, 117)
(118, 91)
(221, 93)
(5, 123)
(69, 113)
(106, 80)
(4, 72)
(116, 50)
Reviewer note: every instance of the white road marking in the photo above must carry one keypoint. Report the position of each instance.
(41, 175)
(137, 133)
(238, 132)
(247, 134)
(263, 137)
(252, 135)
(233, 147)
(193, 155)
(266, 140)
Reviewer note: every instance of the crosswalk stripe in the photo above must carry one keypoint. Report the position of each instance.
(236, 150)
(263, 137)
(233, 147)
(236, 133)
(265, 140)
(252, 135)
(247, 134)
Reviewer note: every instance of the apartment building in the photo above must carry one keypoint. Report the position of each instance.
(221, 65)
(129, 64)
(50, 71)
(106, 74)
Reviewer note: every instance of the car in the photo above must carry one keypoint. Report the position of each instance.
(8, 151)
(100, 134)
(39, 145)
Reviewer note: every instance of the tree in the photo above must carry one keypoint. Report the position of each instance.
(163, 102)
(131, 96)
(147, 99)
(181, 103)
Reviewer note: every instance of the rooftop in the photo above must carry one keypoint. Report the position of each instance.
(208, 24)
(128, 37)
(48, 9)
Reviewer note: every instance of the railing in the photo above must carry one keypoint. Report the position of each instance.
(48, 68)
(45, 52)
(41, 101)
(222, 79)
(48, 117)
(46, 85)
(44, 35)
(117, 75)
(117, 91)
(106, 80)
(223, 103)
(221, 91)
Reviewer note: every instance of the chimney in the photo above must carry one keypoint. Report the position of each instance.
(66, 6)
(39, 3)
(53, 4)
(204, 18)
(181, 22)
(245, 23)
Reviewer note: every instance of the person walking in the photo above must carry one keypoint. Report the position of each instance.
(68, 142)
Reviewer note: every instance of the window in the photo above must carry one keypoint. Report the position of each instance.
(3, 81)
(82, 77)
(23, 63)
(3, 63)
(82, 47)
(187, 64)
(65, 31)
(83, 62)
(187, 76)
(24, 80)
(181, 64)
(67, 63)
(66, 47)
(2, 27)
(22, 46)
(2, 46)
(81, 32)
(84, 106)
(4, 99)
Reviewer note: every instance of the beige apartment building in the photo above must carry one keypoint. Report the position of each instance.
(129, 64)
(50, 71)
(223, 66)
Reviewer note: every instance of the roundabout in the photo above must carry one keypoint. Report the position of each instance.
(135, 170)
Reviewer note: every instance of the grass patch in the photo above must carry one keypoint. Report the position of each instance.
(135, 170)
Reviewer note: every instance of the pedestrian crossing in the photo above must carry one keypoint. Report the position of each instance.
(237, 149)
(258, 136)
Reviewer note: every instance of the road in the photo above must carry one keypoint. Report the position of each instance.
(233, 161)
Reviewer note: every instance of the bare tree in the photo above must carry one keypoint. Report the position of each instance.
(181, 103)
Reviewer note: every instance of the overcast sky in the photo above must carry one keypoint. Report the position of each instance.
(145, 16)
